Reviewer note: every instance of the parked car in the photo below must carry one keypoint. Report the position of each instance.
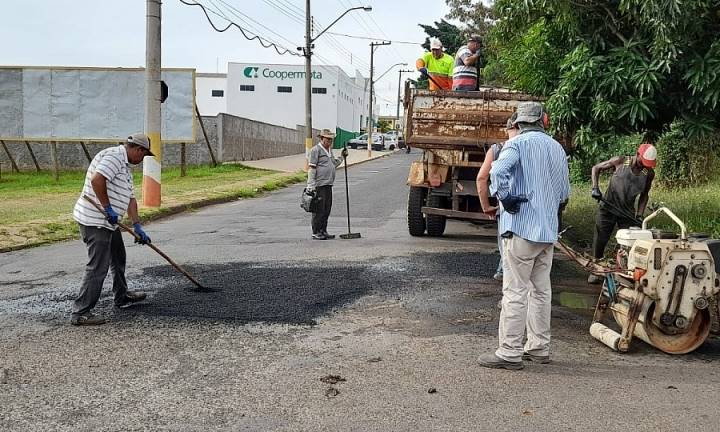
(396, 138)
(361, 142)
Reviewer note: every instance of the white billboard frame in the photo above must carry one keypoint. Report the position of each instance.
(132, 106)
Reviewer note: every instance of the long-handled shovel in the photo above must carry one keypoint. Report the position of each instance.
(152, 246)
(349, 235)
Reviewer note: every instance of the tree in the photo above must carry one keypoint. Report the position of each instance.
(450, 35)
(475, 15)
(616, 67)
(383, 125)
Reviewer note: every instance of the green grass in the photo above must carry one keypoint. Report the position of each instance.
(35, 209)
(697, 206)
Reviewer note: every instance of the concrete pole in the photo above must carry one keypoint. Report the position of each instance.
(371, 123)
(151, 190)
(308, 83)
(397, 109)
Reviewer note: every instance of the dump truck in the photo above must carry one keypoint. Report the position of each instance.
(454, 129)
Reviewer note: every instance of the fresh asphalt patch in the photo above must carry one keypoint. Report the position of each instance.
(297, 293)
(454, 288)
(248, 292)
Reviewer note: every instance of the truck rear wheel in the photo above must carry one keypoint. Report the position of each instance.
(435, 223)
(415, 217)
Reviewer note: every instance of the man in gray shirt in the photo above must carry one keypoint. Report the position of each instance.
(321, 176)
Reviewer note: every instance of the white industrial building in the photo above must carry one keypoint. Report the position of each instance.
(275, 94)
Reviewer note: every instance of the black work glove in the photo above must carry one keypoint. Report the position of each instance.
(596, 194)
(511, 203)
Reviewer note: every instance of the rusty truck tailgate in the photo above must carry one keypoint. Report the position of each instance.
(459, 120)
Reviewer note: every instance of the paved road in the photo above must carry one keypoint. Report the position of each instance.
(394, 316)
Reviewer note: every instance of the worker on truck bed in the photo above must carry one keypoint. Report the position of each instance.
(436, 64)
(467, 61)
(632, 178)
(483, 184)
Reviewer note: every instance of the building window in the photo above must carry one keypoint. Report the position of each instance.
(218, 93)
(283, 89)
(319, 90)
(244, 87)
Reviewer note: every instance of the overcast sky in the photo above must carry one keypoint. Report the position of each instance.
(111, 33)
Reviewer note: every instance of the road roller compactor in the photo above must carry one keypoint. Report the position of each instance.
(663, 289)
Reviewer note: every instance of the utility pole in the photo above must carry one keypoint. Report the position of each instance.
(397, 111)
(152, 167)
(371, 122)
(307, 52)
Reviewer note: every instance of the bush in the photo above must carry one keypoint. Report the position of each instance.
(591, 148)
(686, 155)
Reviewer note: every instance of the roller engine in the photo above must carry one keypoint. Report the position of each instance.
(662, 290)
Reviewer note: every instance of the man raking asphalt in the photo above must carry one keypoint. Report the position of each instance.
(108, 181)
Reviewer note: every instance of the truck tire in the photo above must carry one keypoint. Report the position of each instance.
(415, 216)
(435, 223)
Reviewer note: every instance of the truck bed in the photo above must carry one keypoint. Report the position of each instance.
(459, 120)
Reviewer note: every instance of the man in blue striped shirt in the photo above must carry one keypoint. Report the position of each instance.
(530, 179)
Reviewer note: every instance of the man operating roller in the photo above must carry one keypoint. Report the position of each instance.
(108, 182)
(626, 196)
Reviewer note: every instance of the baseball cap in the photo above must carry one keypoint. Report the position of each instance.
(435, 43)
(475, 38)
(142, 140)
(648, 155)
(529, 112)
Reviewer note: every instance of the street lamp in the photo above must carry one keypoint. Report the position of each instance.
(397, 111)
(307, 52)
(386, 72)
(371, 123)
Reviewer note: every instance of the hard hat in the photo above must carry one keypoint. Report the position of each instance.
(648, 155)
(435, 43)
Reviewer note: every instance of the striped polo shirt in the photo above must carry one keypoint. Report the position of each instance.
(464, 76)
(111, 163)
(531, 164)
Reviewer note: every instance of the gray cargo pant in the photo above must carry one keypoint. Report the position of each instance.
(526, 299)
(106, 250)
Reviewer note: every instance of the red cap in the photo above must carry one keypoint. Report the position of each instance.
(648, 155)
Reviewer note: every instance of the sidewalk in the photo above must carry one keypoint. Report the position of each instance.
(296, 162)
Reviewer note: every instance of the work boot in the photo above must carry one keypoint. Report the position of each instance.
(492, 361)
(87, 319)
(536, 358)
(319, 236)
(595, 280)
(130, 298)
(329, 236)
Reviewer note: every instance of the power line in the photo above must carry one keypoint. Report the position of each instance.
(263, 41)
(297, 14)
(369, 38)
(382, 32)
(287, 12)
(234, 11)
